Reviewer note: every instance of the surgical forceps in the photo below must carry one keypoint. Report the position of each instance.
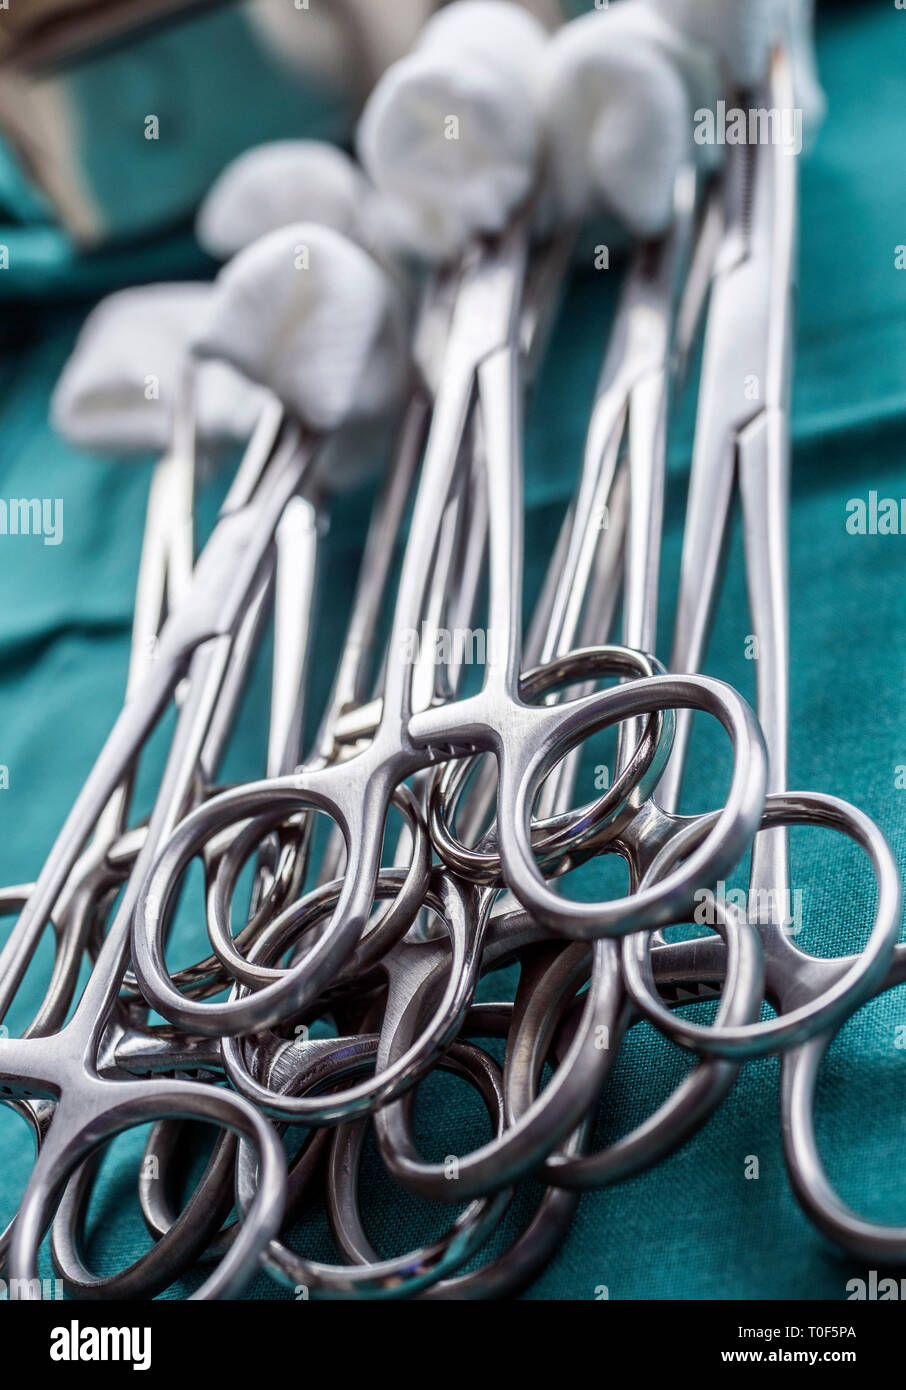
(632, 394)
(481, 367)
(767, 268)
(140, 1050)
(164, 574)
(143, 1050)
(91, 1105)
(638, 354)
(749, 337)
(149, 1051)
(631, 400)
(324, 1109)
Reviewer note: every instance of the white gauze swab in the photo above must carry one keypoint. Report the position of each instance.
(118, 390)
(620, 90)
(451, 135)
(278, 184)
(308, 314)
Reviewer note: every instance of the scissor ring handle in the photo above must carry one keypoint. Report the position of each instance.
(85, 1121)
(503, 1275)
(456, 909)
(185, 1242)
(558, 836)
(408, 1274)
(395, 920)
(208, 976)
(354, 797)
(668, 900)
(828, 1006)
(219, 901)
(216, 1185)
(38, 1118)
(51, 1012)
(687, 1108)
(866, 1240)
(553, 1115)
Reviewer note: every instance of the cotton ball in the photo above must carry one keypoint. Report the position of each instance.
(310, 315)
(489, 31)
(118, 390)
(619, 123)
(276, 185)
(448, 189)
(450, 134)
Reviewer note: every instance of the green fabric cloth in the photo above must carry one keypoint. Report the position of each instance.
(695, 1226)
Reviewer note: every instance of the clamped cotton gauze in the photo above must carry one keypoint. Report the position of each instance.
(451, 136)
